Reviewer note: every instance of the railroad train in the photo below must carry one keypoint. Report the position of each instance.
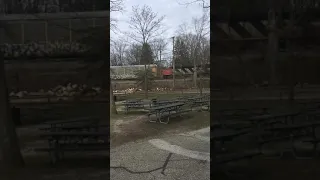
(128, 72)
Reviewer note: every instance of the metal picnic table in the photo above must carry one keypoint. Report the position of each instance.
(133, 103)
(162, 102)
(165, 111)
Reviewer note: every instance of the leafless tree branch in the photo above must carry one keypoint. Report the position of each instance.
(204, 3)
(145, 24)
(115, 6)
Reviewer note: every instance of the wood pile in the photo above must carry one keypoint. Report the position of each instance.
(70, 90)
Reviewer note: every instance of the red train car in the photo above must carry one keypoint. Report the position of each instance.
(166, 73)
(185, 70)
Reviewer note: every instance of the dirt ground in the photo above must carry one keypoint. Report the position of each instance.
(134, 127)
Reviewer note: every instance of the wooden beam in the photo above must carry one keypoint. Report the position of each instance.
(259, 16)
(55, 16)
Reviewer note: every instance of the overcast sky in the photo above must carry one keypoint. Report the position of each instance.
(175, 14)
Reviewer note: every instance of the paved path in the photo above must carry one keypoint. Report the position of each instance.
(181, 156)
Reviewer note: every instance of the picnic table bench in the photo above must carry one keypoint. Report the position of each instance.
(312, 115)
(294, 131)
(133, 104)
(82, 121)
(60, 142)
(183, 98)
(201, 103)
(74, 127)
(236, 156)
(230, 125)
(78, 134)
(223, 136)
(219, 158)
(156, 102)
(197, 98)
(273, 118)
(166, 112)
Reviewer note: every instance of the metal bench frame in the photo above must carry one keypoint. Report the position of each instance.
(166, 114)
(57, 146)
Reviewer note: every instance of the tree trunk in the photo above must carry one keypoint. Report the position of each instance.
(113, 107)
(145, 82)
(195, 78)
(200, 85)
(10, 155)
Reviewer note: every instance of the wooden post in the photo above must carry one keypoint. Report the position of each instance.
(46, 31)
(173, 66)
(272, 45)
(22, 33)
(94, 22)
(10, 155)
(70, 30)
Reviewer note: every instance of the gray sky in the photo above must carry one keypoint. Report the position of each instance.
(175, 14)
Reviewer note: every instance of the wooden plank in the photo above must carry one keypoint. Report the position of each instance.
(55, 16)
(86, 119)
(75, 134)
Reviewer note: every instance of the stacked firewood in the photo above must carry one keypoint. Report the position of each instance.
(41, 50)
(122, 76)
(69, 90)
(127, 91)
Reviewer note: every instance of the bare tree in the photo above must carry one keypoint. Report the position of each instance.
(193, 44)
(158, 47)
(201, 27)
(145, 24)
(118, 52)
